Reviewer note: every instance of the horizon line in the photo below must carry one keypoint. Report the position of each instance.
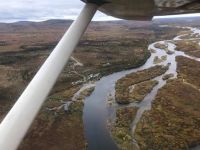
(100, 19)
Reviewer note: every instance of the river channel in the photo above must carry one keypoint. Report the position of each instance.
(98, 114)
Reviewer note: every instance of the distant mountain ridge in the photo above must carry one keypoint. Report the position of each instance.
(23, 26)
(184, 20)
(26, 26)
(54, 24)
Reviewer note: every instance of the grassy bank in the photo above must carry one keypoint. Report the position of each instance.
(123, 84)
(121, 130)
(173, 122)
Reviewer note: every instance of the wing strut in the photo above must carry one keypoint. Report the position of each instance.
(15, 125)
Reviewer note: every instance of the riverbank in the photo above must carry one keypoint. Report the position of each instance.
(57, 122)
(73, 118)
(123, 94)
(168, 116)
(121, 130)
(173, 121)
(104, 49)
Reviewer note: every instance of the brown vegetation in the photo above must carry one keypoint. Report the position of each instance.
(191, 48)
(161, 46)
(121, 131)
(25, 46)
(158, 60)
(168, 76)
(123, 84)
(141, 90)
(56, 125)
(188, 70)
(86, 93)
(56, 131)
(173, 122)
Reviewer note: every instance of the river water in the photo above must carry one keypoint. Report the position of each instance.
(97, 113)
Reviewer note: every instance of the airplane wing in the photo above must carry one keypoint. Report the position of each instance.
(146, 9)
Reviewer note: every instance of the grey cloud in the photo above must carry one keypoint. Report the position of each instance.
(18, 10)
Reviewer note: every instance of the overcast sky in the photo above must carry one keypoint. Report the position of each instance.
(39, 10)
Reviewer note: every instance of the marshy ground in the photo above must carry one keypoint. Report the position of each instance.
(172, 122)
(24, 46)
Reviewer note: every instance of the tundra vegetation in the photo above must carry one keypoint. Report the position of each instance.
(121, 131)
(168, 76)
(158, 60)
(191, 48)
(123, 95)
(141, 90)
(173, 121)
(105, 48)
